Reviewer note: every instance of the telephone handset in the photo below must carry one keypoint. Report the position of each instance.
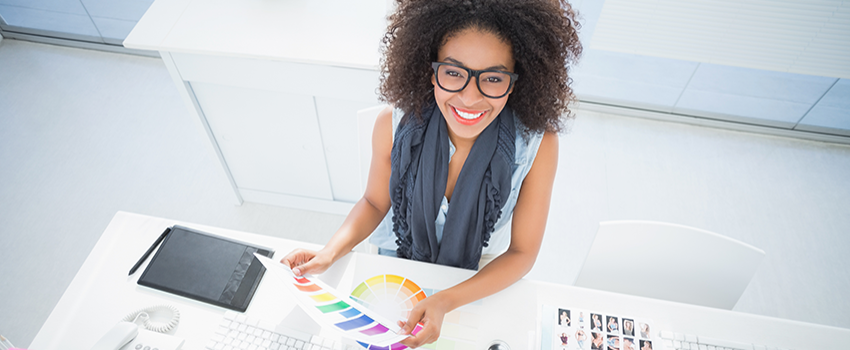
(127, 335)
(118, 336)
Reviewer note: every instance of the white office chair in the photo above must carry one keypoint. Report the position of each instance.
(365, 124)
(671, 262)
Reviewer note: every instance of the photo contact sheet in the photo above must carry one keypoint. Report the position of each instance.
(579, 329)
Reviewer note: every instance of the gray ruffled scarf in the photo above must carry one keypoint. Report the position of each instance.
(420, 165)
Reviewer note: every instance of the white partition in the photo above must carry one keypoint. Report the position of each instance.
(285, 132)
(277, 98)
(271, 140)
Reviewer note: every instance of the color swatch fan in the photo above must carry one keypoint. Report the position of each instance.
(337, 311)
(390, 296)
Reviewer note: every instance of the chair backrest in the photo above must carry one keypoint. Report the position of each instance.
(365, 124)
(668, 261)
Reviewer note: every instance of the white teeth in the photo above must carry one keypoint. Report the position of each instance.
(469, 116)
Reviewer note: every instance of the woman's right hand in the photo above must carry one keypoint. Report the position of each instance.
(303, 261)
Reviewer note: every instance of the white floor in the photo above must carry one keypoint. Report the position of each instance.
(84, 134)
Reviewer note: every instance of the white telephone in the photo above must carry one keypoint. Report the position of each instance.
(127, 335)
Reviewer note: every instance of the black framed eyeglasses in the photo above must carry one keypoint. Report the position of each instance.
(491, 83)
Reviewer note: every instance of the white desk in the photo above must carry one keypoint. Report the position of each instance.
(275, 86)
(101, 294)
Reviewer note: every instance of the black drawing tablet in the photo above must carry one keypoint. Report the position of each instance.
(206, 267)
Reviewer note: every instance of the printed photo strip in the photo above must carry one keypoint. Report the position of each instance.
(577, 329)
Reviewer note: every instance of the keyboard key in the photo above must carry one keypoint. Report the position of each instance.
(291, 333)
(240, 332)
(725, 343)
(266, 325)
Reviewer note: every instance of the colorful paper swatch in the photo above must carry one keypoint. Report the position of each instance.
(390, 296)
(334, 310)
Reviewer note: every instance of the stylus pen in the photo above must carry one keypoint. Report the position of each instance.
(150, 250)
(5, 343)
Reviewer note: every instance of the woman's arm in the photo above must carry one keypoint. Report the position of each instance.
(529, 222)
(366, 214)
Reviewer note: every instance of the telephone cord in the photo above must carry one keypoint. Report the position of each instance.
(144, 314)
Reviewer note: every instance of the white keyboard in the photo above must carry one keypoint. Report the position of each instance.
(678, 341)
(237, 331)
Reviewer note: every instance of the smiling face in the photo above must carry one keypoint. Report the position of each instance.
(468, 112)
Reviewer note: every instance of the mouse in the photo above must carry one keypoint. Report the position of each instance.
(498, 345)
(118, 336)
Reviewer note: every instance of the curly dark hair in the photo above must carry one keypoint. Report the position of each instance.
(543, 35)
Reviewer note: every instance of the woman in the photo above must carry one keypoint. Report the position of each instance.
(597, 341)
(479, 90)
(613, 325)
(597, 323)
(628, 327)
(628, 344)
(613, 343)
(565, 318)
(580, 338)
(644, 330)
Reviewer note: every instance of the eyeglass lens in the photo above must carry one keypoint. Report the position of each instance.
(491, 84)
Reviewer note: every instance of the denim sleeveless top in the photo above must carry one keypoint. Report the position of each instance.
(526, 151)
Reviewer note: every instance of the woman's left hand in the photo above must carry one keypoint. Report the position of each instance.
(429, 312)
